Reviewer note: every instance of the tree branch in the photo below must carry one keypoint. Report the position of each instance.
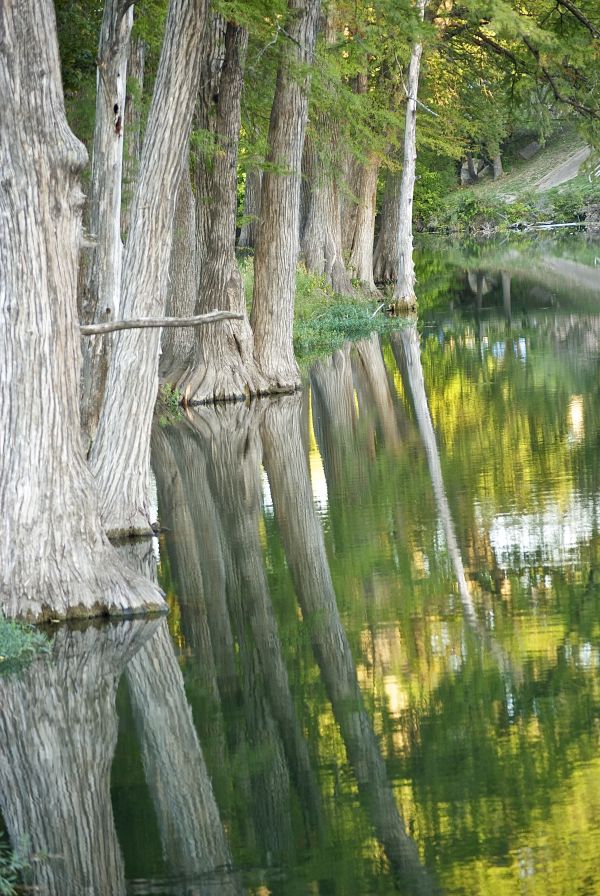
(151, 322)
(580, 17)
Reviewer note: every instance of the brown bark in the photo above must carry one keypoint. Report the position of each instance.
(120, 457)
(177, 344)
(103, 282)
(304, 546)
(58, 732)
(54, 558)
(385, 256)
(278, 233)
(222, 366)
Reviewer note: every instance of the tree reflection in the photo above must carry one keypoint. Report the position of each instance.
(302, 537)
(58, 731)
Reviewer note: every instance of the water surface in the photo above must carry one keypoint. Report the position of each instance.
(381, 669)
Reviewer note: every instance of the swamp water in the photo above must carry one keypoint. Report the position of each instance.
(381, 669)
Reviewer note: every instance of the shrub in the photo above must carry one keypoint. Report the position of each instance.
(19, 643)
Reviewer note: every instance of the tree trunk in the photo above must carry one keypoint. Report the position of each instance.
(120, 455)
(278, 232)
(103, 282)
(304, 546)
(177, 343)
(361, 253)
(498, 169)
(249, 230)
(404, 293)
(385, 256)
(322, 234)
(369, 355)
(205, 120)
(473, 174)
(58, 732)
(223, 365)
(54, 558)
(506, 295)
(133, 126)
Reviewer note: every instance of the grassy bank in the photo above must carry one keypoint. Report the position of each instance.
(524, 195)
(323, 321)
(18, 644)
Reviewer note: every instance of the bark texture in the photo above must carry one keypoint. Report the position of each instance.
(278, 233)
(223, 366)
(103, 285)
(58, 732)
(361, 252)
(304, 546)
(54, 557)
(322, 233)
(404, 292)
(177, 343)
(133, 126)
(120, 457)
(385, 256)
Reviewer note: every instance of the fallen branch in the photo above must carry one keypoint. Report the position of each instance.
(153, 322)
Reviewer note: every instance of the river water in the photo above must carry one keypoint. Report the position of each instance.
(380, 672)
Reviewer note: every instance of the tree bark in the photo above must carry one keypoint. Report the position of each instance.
(404, 292)
(103, 286)
(120, 457)
(361, 253)
(177, 344)
(278, 232)
(249, 230)
(133, 126)
(54, 558)
(498, 169)
(58, 732)
(385, 256)
(302, 537)
(322, 234)
(223, 365)
(370, 357)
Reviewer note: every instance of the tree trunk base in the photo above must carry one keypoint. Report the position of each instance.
(231, 380)
(404, 304)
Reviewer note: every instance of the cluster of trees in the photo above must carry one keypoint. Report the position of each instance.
(323, 98)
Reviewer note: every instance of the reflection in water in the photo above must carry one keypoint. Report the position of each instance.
(58, 730)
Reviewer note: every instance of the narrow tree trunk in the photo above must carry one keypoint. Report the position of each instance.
(471, 168)
(133, 126)
(223, 365)
(498, 169)
(249, 230)
(385, 256)
(361, 254)
(404, 293)
(304, 546)
(278, 233)
(369, 355)
(120, 456)
(177, 343)
(322, 234)
(102, 289)
(58, 732)
(54, 559)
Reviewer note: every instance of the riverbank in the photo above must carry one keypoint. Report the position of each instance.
(558, 185)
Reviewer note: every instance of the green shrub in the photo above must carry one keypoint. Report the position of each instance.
(168, 405)
(19, 643)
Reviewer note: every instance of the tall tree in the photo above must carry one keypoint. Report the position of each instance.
(120, 457)
(54, 557)
(278, 233)
(404, 293)
(223, 364)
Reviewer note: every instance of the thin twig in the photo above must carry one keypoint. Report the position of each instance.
(150, 322)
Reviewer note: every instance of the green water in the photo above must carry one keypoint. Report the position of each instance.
(381, 669)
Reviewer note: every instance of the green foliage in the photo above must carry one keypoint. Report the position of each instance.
(169, 405)
(12, 864)
(18, 645)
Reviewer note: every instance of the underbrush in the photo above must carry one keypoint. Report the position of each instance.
(323, 321)
(18, 644)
